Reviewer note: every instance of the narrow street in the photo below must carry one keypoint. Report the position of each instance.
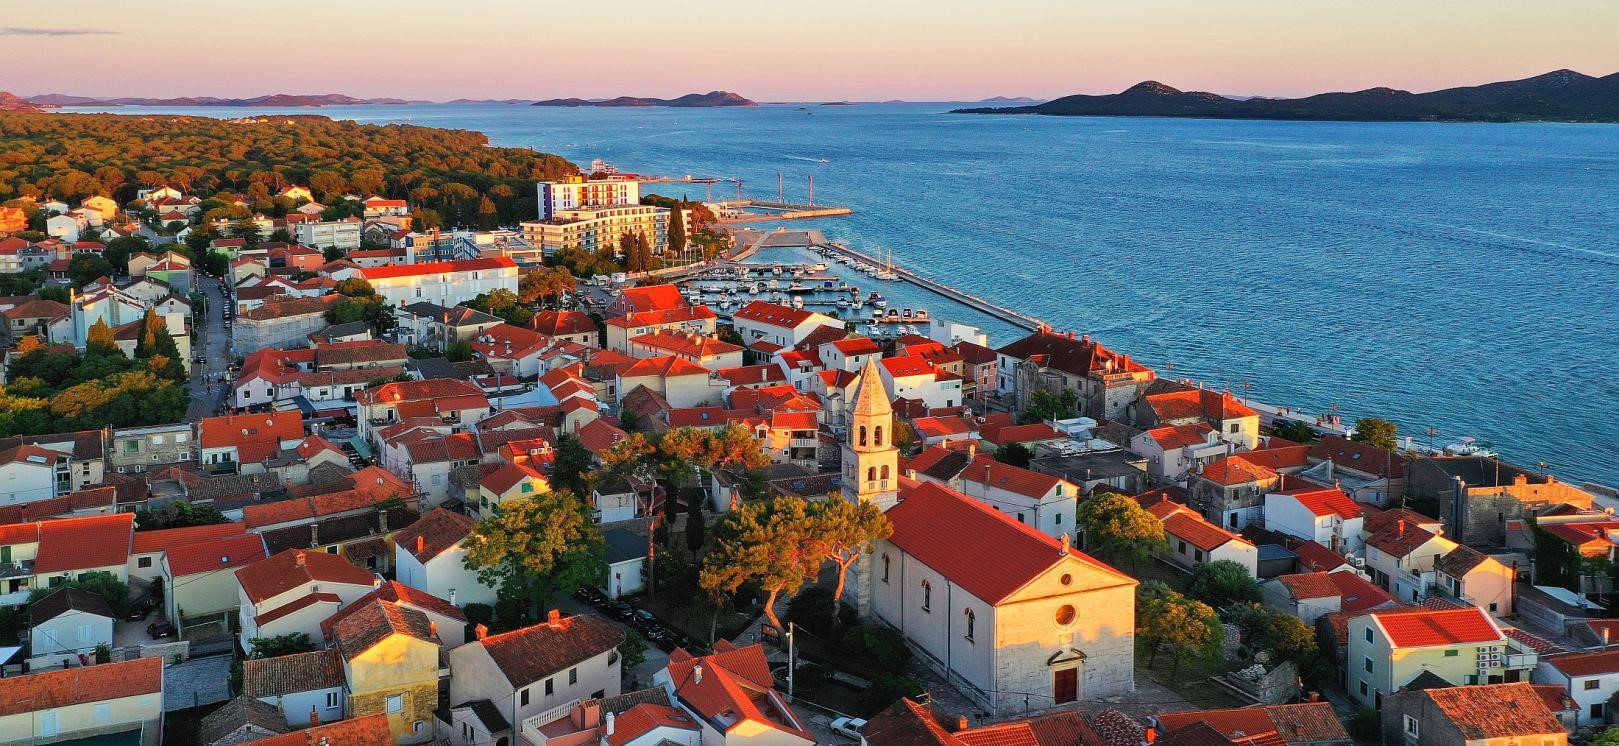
(213, 346)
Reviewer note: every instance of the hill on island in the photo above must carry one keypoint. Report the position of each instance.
(274, 99)
(1563, 95)
(688, 101)
(9, 102)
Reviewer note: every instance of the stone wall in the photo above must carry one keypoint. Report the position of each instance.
(421, 700)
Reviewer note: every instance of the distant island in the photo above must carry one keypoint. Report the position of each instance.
(275, 99)
(688, 101)
(9, 102)
(1011, 100)
(1563, 95)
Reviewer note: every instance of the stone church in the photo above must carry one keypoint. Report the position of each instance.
(1012, 617)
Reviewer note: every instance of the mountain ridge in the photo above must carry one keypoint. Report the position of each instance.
(688, 101)
(1560, 95)
(13, 103)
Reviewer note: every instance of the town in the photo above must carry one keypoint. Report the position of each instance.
(304, 466)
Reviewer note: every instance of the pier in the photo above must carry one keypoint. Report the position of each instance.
(1016, 318)
(768, 211)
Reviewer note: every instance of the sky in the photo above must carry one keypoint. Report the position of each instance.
(808, 50)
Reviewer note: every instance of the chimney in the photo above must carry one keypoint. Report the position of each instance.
(432, 629)
(961, 723)
(452, 597)
(1149, 736)
(314, 717)
(298, 559)
(608, 723)
(1066, 540)
(972, 448)
(1399, 527)
(696, 674)
(382, 520)
(1314, 697)
(421, 543)
(481, 631)
(553, 616)
(1605, 629)
(376, 581)
(314, 535)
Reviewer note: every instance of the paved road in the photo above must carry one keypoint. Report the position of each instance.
(213, 343)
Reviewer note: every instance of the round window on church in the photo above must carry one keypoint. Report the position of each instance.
(1066, 615)
(1067, 579)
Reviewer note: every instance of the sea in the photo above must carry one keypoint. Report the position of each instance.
(1454, 278)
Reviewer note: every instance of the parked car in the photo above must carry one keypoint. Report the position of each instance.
(160, 629)
(849, 727)
(139, 609)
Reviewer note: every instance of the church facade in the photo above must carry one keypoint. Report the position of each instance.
(1015, 619)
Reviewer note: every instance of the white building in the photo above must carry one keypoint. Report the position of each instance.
(294, 591)
(1590, 678)
(1324, 515)
(776, 324)
(530, 672)
(444, 283)
(576, 192)
(335, 234)
(28, 473)
(1040, 500)
(429, 555)
(1043, 621)
(67, 624)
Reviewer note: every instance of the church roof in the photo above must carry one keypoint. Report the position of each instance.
(872, 397)
(984, 551)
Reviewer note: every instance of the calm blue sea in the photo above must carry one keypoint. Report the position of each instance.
(1455, 276)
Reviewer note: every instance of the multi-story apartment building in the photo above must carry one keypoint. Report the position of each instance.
(577, 192)
(341, 234)
(593, 228)
(444, 283)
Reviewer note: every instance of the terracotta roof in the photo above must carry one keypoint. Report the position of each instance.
(645, 718)
(1400, 541)
(395, 592)
(599, 435)
(681, 343)
(1460, 561)
(1079, 356)
(169, 538)
(735, 684)
(235, 430)
(1391, 517)
(649, 298)
(1278, 456)
(1324, 501)
(1008, 434)
(216, 554)
(436, 268)
(1207, 404)
(1236, 469)
(238, 714)
(1495, 711)
(908, 723)
(291, 307)
(1426, 628)
(82, 685)
(748, 375)
(298, 604)
(663, 366)
(1185, 523)
(561, 323)
(987, 471)
(84, 543)
(438, 530)
(986, 552)
(1357, 593)
(1361, 457)
(661, 317)
(286, 674)
(357, 352)
(1179, 436)
(1594, 663)
(376, 620)
(527, 655)
(370, 730)
(295, 567)
(1307, 722)
(1315, 557)
(764, 312)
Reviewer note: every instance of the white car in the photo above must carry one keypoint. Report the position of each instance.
(849, 727)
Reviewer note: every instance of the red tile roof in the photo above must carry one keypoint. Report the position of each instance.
(599, 435)
(1180, 436)
(562, 323)
(986, 552)
(82, 685)
(1494, 711)
(435, 268)
(663, 366)
(1594, 663)
(216, 554)
(764, 312)
(986, 470)
(1400, 541)
(370, 730)
(645, 718)
(1207, 404)
(1357, 593)
(752, 375)
(680, 343)
(298, 604)
(1358, 456)
(1309, 585)
(1325, 501)
(1315, 557)
(169, 538)
(84, 543)
(658, 318)
(1008, 434)
(395, 592)
(236, 430)
(1427, 628)
(529, 654)
(735, 683)
(1236, 469)
(1079, 356)
(650, 298)
(295, 567)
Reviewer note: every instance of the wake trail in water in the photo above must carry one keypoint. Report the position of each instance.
(1527, 240)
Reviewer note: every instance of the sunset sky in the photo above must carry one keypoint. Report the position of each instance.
(807, 50)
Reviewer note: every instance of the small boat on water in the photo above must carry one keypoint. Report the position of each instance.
(843, 303)
(798, 287)
(798, 302)
(921, 314)
(893, 315)
(906, 314)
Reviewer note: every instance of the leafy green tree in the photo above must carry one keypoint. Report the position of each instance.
(1189, 628)
(120, 249)
(459, 351)
(571, 469)
(842, 532)
(695, 527)
(813, 609)
(104, 584)
(770, 543)
(537, 547)
(1283, 634)
(1118, 529)
(1015, 454)
(632, 652)
(279, 645)
(677, 230)
(355, 287)
(1046, 405)
(85, 268)
(1376, 432)
(178, 514)
(1222, 583)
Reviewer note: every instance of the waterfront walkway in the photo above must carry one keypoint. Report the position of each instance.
(1016, 318)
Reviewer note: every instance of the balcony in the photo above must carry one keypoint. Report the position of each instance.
(17, 569)
(541, 728)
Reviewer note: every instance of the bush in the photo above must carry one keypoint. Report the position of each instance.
(887, 690)
(848, 616)
(478, 613)
(1222, 583)
(273, 647)
(883, 646)
(1366, 726)
(511, 613)
(103, 584)
(813, 609)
